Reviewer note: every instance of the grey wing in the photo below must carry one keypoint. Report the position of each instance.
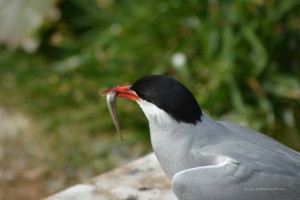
(261, 140)
(231, 180)
(260, 152)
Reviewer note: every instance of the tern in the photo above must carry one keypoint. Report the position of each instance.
(207, 159)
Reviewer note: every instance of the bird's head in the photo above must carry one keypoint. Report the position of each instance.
(159, 95)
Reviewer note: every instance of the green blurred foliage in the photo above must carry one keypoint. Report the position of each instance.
(241, 62)
(241, 56)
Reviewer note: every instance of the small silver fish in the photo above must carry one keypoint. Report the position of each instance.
(112, 106)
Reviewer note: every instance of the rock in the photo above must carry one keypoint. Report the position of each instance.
(142, 179)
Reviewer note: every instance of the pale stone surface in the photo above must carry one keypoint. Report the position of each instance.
(142, 179)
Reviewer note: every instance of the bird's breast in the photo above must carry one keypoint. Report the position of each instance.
(171, 146)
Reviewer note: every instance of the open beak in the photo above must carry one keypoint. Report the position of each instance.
(123, 92)
(111, 96)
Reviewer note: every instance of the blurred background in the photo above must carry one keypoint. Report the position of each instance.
(240, 59)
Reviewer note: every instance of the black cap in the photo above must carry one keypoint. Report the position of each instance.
(169, 95)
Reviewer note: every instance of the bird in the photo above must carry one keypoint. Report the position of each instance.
(207, 159)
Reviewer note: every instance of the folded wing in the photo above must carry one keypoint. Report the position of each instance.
(229, 179)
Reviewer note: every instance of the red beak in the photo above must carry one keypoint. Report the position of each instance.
(123, 92)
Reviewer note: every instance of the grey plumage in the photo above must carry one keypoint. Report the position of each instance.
(254, 167)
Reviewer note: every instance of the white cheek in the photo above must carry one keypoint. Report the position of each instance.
(155, 115)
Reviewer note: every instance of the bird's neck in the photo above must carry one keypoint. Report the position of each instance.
(173, 141)
(170, 139)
